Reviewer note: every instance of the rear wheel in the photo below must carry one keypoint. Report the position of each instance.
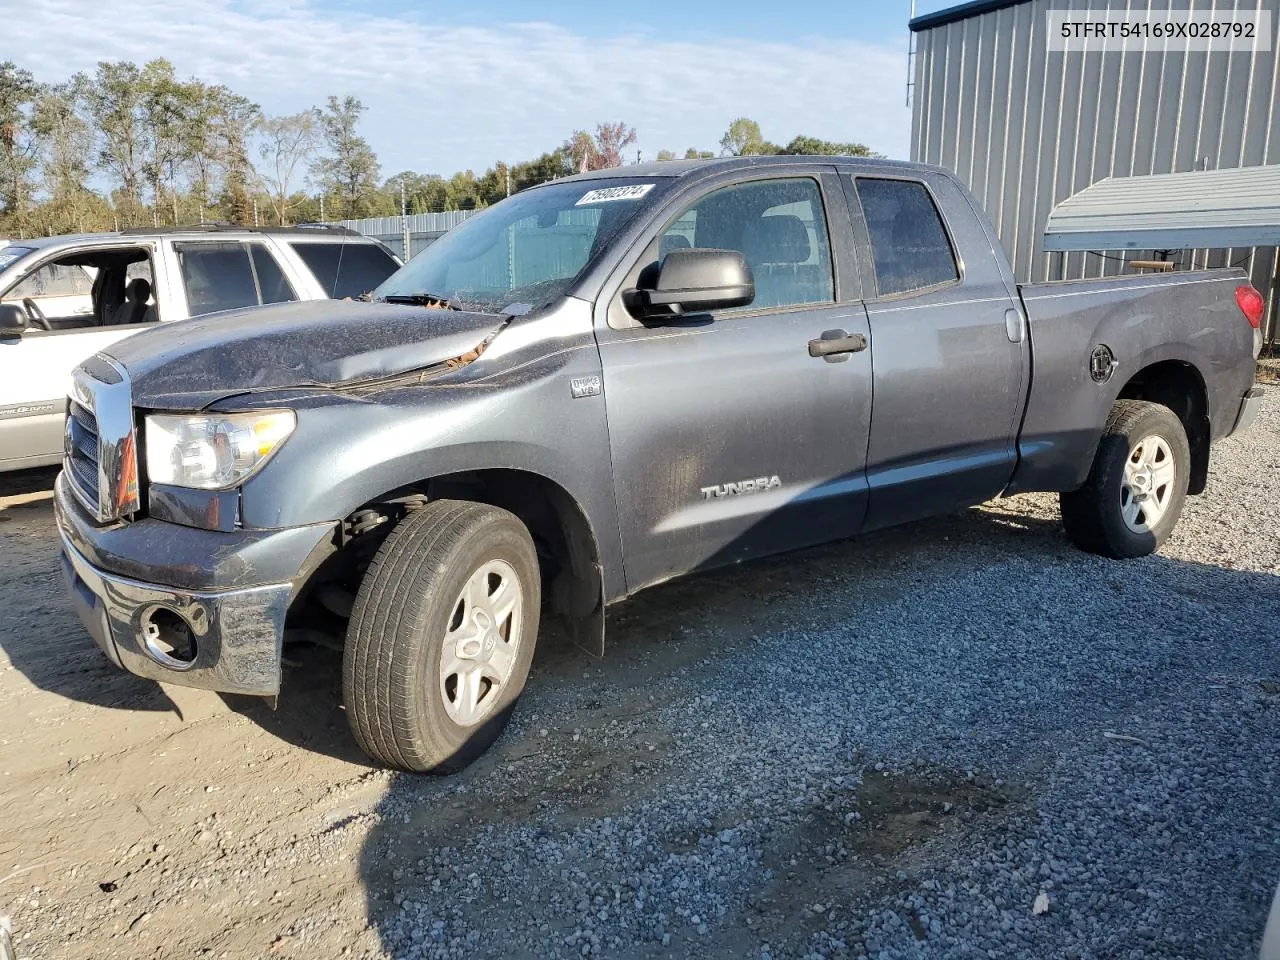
(441, 636)
(1136, 488)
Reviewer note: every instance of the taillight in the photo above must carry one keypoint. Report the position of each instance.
(1251, 305)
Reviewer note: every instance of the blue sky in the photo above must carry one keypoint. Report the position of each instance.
(451, 86)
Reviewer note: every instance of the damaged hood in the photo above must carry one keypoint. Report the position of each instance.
(321, 343)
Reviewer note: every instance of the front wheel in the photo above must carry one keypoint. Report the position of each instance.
(1136, 488)
(441, 636)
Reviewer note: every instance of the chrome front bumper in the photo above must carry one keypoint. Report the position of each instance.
(236, 634)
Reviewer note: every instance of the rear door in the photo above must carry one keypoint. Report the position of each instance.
(728, 439)
(949, 352)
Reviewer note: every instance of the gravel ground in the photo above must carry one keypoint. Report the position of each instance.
(959, 739)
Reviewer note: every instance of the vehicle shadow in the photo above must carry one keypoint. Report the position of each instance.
(39, 632)
(672, 641)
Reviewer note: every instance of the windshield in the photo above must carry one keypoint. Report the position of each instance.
(527, 249)
(10, 254)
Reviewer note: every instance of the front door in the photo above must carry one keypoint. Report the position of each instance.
(729, 440)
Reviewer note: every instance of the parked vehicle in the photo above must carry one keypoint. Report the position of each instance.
(597, 385)
(63, 298)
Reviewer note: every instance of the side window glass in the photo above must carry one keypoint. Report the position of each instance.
(271, 280)
(53, 280)
(908, 241)
(777, 225)
(346, 269)
(216, 276)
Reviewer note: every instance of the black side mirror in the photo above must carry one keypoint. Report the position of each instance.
(693, 281)
(13, 320)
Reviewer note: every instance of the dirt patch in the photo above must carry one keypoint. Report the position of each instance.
(866, 843)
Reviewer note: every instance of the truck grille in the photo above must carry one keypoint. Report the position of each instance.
(80, 454)
(99, 442)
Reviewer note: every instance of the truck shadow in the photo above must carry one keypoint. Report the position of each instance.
(39, 633)
(546, 800)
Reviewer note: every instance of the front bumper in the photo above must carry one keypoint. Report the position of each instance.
(1249, 408)
(236, 625)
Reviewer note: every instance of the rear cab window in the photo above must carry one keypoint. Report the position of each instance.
(345, 270)
(909, 242)
(229, 275)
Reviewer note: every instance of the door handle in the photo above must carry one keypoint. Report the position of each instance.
(834, 346)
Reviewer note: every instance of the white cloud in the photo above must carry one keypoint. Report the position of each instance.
(441, 98)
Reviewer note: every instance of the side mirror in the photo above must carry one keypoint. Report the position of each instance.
(694, 280)
(13, 320)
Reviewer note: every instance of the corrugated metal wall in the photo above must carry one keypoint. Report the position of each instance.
(424, 229)
(1026, 128)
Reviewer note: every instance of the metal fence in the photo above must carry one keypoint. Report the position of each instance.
(407, 236)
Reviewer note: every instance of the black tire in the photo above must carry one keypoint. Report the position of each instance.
(1093, 515)
(409, 596)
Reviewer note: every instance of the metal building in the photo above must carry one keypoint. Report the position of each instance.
(1026, 127)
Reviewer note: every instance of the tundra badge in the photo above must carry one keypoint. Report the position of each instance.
(758, 485)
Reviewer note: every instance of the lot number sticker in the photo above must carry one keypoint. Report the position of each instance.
(633, 191)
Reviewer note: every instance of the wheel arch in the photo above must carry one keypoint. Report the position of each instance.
(1178, 385)
(568, 548)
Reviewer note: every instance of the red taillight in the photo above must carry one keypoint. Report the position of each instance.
(1250, 303)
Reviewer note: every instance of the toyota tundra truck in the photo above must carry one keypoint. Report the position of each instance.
(597, 385)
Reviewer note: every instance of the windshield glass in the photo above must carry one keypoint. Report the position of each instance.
(11, 254)
(527, 249)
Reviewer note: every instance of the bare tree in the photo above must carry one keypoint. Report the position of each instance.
(286, 146)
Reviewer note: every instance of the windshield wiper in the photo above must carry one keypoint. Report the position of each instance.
(421, 300)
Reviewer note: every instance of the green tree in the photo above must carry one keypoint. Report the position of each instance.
(743, 138)
(349, 170)
(812, 146)
(112, 98)
(693, 153)
(423, 192)
(66, 144)
(286, 145)
(18, 139)
(664, 155)
(543, 169)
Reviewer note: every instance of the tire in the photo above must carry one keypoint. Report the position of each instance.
(426, 592)
(1141, 442)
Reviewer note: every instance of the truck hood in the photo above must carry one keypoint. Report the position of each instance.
(190, 364)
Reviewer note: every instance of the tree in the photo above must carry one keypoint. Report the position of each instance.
(547, 167)
(812, 146)
(743, 138)
(693, 153)
(165, 106)
(233, 120)
(664, 155)
(611, 140)
(350, 168)
(112, 99)
(600, 152)
(286, 145)
(18, 144)
(65, 144)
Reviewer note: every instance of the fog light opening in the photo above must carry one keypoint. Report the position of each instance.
(168, 639)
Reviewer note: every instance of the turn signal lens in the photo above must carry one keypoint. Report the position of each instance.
(1251, 305)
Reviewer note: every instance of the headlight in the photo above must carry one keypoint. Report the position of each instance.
(216, 451)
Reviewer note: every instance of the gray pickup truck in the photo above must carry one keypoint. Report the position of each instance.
(597, 385)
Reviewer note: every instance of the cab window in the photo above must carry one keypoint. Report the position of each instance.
(908, 240)
(778, 226)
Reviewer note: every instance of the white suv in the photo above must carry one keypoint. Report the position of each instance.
(62, 299)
